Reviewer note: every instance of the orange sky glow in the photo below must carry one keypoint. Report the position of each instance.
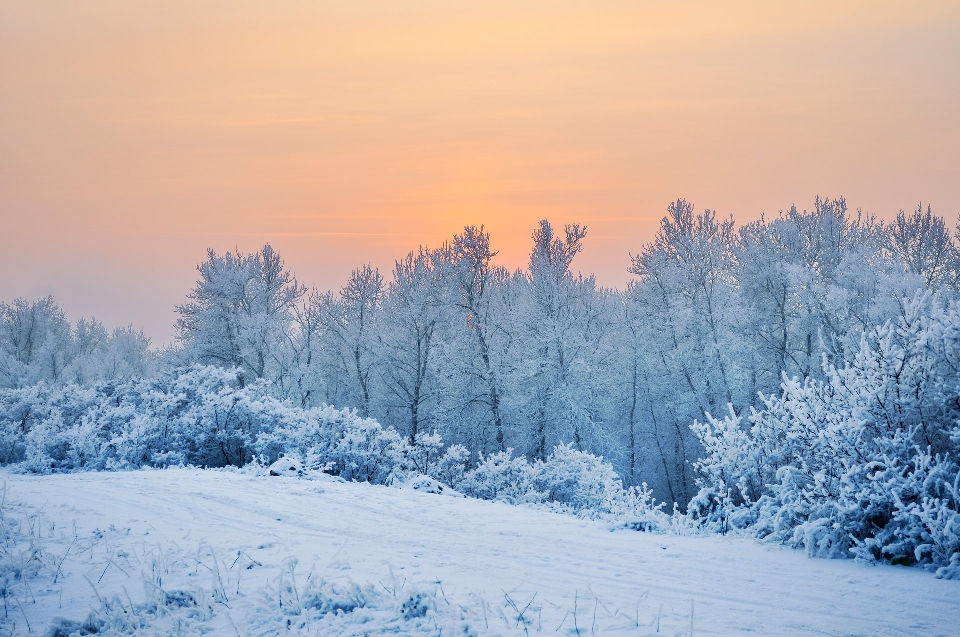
(133, 135)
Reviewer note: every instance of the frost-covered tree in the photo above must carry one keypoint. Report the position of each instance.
(411, 314)
(34, 342)
(39, 345)
(302, 359)
(239, 312)
(562, 328)
(127, 356)
(689, 308)
(923, 244)
(478, 336)
(118, 355)
(814, 281)
(351, 321)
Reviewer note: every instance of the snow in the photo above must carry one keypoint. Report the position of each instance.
(426, 484)
(289, 467)
(239, 544)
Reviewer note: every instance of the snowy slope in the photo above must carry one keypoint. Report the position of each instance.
(232, 537)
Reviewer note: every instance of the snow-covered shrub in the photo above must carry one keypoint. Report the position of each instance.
(368, 453)
(924, 524)
(424, 452)
(451, 466)
(635, 508)
(578, 480)
(500, 476)
(339, 442)
(569, 480)
(426, 456)
(208, 417)
(54, 445)
(201, 416)
(204, 416)
(17, 411)
(863, 463)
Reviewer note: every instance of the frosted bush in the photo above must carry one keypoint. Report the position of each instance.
(201, 415)
(339, 442)
(500, 476)
(569, 480)
(205, 416)
(635, 508)
(450, 468)
(862, 464)
(424, 452)
(368, 454)
(578, 480)
(16, 414)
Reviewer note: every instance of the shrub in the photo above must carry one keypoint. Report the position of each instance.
(451, 467)
(569, 480)
(578, 480)
(205, 416)
(500, 476)
(200, 415)
(863, 464)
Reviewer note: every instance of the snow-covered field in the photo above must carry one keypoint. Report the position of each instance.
(185, 551)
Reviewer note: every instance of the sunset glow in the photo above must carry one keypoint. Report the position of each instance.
(135, 135)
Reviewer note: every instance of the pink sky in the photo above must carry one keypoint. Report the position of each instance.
(133, 135)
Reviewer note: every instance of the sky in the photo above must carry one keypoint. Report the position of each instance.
(135, 135)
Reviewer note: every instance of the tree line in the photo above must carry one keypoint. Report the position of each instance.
(718, 315)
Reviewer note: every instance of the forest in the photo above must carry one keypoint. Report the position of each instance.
(797, 376)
